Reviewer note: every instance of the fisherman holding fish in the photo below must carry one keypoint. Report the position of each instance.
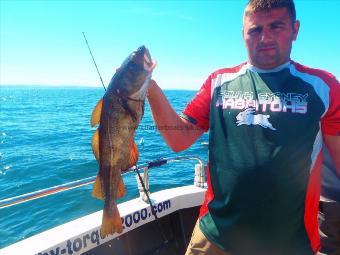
(267, 119)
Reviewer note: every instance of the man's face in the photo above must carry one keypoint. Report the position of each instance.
(268, 36)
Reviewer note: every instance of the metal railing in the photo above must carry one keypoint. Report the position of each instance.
(199, 180)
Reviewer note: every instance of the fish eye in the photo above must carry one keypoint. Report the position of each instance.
(132, 66)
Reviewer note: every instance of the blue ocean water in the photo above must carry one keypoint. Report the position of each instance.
(45, 140)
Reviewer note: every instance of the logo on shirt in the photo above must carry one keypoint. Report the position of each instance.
(264, 102)
(248, 117)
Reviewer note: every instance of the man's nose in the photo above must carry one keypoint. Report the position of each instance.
(266, 35)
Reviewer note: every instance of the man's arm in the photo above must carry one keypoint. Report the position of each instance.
(333, 145)
(177, 132)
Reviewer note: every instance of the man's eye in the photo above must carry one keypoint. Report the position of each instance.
(254, 31)
(277, 27)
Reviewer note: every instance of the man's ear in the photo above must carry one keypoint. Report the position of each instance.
(296, 27)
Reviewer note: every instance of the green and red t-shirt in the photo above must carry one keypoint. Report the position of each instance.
(265, 147)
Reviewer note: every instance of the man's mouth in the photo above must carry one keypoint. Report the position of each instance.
(265, 49)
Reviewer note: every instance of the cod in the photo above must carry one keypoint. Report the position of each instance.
(118, 115)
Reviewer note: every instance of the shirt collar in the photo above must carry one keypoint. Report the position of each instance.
(276, 69)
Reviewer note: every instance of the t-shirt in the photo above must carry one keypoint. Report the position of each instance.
(265, 155)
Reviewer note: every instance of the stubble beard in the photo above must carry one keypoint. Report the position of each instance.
(265, 60)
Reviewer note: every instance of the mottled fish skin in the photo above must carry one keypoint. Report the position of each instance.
(118, 114)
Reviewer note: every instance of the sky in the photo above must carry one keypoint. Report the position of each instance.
(41, 42)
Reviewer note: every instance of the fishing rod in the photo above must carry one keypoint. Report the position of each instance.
(88, 46)
(7, 202)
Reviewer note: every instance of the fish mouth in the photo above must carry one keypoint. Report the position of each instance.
(143, 57)
(148, 63)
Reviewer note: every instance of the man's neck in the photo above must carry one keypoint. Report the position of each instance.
(276, 69)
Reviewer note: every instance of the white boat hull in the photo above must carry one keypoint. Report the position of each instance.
(177, 210)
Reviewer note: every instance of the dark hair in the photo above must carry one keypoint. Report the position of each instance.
(266, 5)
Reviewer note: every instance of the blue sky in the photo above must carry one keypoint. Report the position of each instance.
(41, 42)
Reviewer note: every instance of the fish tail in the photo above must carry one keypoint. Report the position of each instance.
(111, 222)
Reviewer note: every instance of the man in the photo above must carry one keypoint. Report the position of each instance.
(265, 141)
(329, 215)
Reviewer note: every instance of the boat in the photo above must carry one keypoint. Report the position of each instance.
(154, 223)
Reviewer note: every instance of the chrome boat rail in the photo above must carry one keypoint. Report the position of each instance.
(199, 180)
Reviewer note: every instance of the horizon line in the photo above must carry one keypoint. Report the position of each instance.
(77, 86)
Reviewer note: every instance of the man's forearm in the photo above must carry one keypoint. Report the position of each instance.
(178, 133)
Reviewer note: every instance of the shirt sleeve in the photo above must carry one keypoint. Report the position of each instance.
(198, 109)
(330, 123)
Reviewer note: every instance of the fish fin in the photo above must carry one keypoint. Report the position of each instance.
(97, 191)
(95, 144)
(111, 223)
(97, 111)
(133, 155)
(121, 188)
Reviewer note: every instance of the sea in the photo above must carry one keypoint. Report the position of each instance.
(45, 140)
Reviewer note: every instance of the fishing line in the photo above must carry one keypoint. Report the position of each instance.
(88, 46)
(153, 211)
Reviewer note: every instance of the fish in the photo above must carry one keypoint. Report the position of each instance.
(118, 114)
